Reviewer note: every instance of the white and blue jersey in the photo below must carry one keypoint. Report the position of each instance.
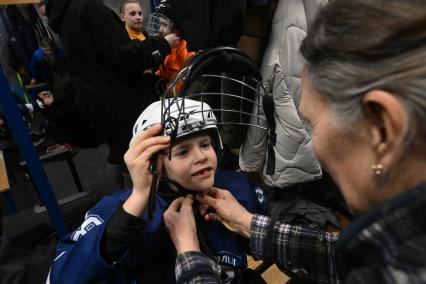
(152, 256)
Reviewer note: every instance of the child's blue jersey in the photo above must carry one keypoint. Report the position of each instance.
(152, 255)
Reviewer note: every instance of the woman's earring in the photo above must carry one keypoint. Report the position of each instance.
(377, 168)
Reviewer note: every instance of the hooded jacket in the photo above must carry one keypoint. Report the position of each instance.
(107, 66)
(281, 68)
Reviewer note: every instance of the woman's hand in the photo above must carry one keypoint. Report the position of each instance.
(180, 223)
(137, 159)
(226, 209)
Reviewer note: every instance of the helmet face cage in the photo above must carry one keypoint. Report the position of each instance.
(159, 24)
(235, 100)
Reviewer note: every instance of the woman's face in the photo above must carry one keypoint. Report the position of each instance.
(193, 164)
(343, 151)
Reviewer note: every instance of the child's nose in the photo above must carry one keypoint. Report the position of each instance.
(200, 155)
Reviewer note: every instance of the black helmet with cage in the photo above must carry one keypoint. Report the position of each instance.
(161, 22)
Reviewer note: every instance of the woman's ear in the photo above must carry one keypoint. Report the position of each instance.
(387, 119)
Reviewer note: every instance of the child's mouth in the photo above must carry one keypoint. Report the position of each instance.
(204, 173)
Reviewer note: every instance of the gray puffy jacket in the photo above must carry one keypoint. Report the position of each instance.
(281, 69)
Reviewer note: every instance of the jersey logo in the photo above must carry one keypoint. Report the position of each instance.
(260, 194)
(89, 223)
(228, 258)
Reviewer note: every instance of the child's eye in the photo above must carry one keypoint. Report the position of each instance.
(181, 153)
(206, 144)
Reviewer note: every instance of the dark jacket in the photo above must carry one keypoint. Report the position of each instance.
(107, 67)
(209, 23)
(388, 244)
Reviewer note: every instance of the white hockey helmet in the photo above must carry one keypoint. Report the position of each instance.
(180, 117)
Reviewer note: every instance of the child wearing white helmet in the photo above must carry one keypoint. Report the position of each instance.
(119, 243)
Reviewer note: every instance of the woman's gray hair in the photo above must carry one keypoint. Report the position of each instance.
(360, 45)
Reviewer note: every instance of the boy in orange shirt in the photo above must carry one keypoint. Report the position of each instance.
(162, 23)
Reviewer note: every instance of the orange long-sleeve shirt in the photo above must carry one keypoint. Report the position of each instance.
(174, 61)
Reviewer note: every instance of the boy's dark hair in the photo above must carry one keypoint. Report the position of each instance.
(124, 2)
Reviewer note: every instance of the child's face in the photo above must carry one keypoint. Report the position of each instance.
(47, 49)
(165, 27)
(193, 163)
(132, 15)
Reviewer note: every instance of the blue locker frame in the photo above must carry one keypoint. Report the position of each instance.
(35, 168)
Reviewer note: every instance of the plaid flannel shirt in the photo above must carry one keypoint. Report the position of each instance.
(307, 253)
(385, 245)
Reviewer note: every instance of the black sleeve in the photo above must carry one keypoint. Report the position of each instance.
(121, 231)
(110, 35)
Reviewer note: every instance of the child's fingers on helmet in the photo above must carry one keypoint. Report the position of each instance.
(133, 159)
(139, 148)
(149, 132)
(150, 151)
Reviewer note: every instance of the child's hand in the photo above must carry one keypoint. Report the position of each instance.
(137, 159)
(173, 40)
(180, 223)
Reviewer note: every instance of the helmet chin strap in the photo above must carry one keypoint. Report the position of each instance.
(153, 189)
(171, 190)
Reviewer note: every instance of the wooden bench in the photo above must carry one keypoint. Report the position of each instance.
(9, 203)
(4, 181)
(65, 154)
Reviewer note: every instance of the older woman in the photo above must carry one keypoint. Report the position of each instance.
(364, 94)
